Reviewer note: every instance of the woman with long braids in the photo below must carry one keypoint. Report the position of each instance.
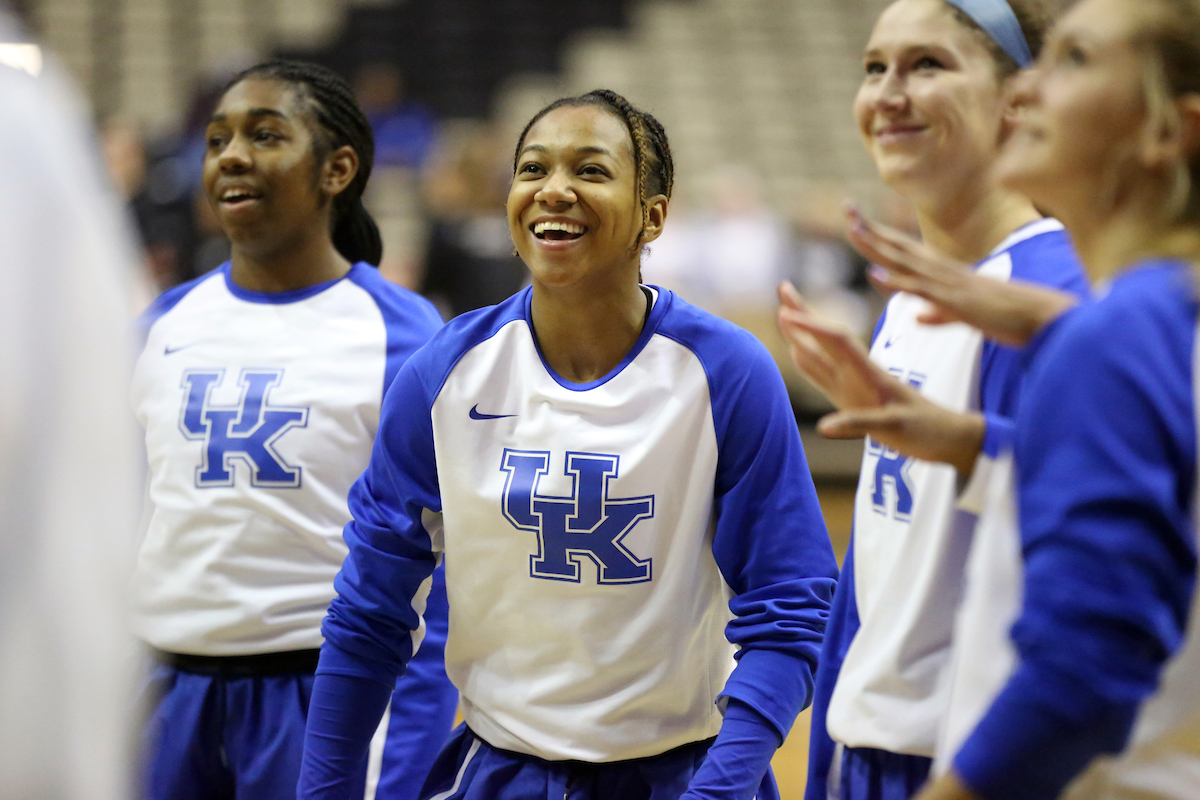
(259, 388)
(637, 569)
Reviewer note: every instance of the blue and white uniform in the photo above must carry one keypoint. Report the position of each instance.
(881, 689)
(619, 555)
(259, 410)
(1105, 457)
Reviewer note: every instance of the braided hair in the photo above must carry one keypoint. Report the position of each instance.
(340, 122)
(652, 161)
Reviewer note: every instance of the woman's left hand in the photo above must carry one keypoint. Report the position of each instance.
(1010, 312)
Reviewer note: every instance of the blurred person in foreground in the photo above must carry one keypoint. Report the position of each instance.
(68, 458)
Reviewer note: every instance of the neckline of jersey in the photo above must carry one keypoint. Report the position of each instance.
(1025, 233)
(280, 298)
(662, 299)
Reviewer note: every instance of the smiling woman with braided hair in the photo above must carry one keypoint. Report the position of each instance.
(259, 388)
(637, 568)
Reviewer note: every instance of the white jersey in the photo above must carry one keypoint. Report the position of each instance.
(259, 411)
(609, 546)
(910, 543)
(983, 654)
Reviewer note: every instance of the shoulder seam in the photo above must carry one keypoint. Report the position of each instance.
(195, 284)
(708, 377)
(461, 354)
(401, 292)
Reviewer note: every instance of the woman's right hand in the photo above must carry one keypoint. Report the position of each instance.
(1007, 312)
(826, 353)
(870, 401)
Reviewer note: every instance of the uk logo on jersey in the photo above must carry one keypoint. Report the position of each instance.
(247, 431)
(587, 525)
(891, 469)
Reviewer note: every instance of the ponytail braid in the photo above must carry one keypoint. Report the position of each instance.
(654, 166)
(340, 122)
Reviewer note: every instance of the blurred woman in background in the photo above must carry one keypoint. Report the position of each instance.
(933, 112)
(1101, 671)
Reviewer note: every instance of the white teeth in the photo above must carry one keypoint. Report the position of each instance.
(233, 194)
(566, 227)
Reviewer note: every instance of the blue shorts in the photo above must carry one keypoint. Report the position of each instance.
(868, 774)
(471, 769)
(219, 736)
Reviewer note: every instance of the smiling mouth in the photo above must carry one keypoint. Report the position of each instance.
(558, 231)
(899, 131)
(237, 196)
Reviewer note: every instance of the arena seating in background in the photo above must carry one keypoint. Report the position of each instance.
(142, 59)
(763, 83)
(456, 53)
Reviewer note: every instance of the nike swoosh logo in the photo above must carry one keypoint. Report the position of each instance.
(168, 350)
(476, 415)
(890, 342)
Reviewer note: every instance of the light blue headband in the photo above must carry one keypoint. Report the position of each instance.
(997, 19)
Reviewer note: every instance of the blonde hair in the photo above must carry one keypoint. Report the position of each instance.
(1170, 44)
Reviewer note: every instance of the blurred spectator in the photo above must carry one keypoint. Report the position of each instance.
(165, 228)
(405, 131)
(824, 267)
(470, 261)
(729, 254)
(124, 155)
(181, 239)
(69, 476)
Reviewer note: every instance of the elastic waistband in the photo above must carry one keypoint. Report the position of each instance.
(262, 664)
(699, 747)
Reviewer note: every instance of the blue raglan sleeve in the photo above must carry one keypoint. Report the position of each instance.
(770, 541)
(773, 550)
(839, 633)
(1105, 452)
(424, 701)
(381, 591)
(159, 308)
(423, 706)
(410, 320)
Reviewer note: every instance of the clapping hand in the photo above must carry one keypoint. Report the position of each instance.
(1008, 312)
(870, 401)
